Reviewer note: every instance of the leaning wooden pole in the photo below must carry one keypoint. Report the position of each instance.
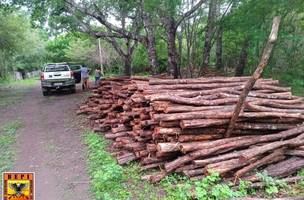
(256, 75)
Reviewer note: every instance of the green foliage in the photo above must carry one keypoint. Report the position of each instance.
(208, 188)
(21, 47)
(110, 180)
(301, 183)
(140, 59)
(82, 50)
(56, 49)
(16, 84)
(177, 187)
(107, 177)
(272, 186)
(7, 140)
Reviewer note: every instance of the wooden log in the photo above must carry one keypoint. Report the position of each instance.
(295, 152)
(193, 146)
(200, 86)
(153, 178)
(225, 166)
(168, 147)
(256, 75)
(151, 147)
(203, 131)
(141, 153)
(282, 95)
(201, 123)
(150, 160)
(181, 108)
(289, 180)
(167, 131)
(189, 138)
(255, 107)
(151, 166)
(194, 172)
(169, 124)
(219, 158)
(251, 153)
(193, 101)
(222, 115)
(281, 105)
(126, 158)
(115, 135)
(274, 157)
(148, 122)
(262, 126)
(120, 129)
(186, 167)
(207, 85)
(145, 133)
(281, 169)
(196, 81)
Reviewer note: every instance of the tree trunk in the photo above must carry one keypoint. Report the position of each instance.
(257, 73)
(151, 43)
(152, 53)
(180, 49)
(128, 65)
(172, 51)
(239, 71)
(219, 49)
(209, 33)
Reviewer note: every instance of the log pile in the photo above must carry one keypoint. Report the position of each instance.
(179, 126)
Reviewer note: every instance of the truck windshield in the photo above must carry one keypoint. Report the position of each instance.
(75, 67)
(57, 68)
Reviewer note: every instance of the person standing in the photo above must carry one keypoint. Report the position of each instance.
(97, 76)
(85, 77)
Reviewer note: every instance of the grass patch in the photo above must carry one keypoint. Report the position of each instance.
(10, 96)
(209, 188)
(7, 140)
(19, 83)
(12, 92)
(110, 180)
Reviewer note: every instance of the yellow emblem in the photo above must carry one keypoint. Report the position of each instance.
(18, 186)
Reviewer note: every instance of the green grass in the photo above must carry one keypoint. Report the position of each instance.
(7, 141)
(10, 96)
(12, 92)
(112, 181)
(18, 83)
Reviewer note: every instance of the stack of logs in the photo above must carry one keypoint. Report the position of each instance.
(179, 126)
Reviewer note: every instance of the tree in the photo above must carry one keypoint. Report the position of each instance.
(21, 47)
(171, 21)
(210, 28)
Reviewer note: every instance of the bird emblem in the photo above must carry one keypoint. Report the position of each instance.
(18, 189)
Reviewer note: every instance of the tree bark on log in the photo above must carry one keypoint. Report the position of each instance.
(250, 153)
(249, 85)
(276, 156)
(240, 142)
(281, 169)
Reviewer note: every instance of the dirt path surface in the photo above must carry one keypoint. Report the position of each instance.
(49, 144)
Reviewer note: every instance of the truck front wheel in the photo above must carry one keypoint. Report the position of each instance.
(73, 89)
(45, 92)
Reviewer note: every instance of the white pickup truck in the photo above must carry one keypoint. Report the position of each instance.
(57, 76)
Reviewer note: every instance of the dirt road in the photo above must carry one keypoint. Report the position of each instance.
(49, 144)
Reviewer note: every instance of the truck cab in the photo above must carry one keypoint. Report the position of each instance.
(56, 76)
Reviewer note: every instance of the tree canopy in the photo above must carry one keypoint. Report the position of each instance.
(179, 37)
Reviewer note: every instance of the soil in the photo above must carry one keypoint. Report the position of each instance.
(50, 143)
